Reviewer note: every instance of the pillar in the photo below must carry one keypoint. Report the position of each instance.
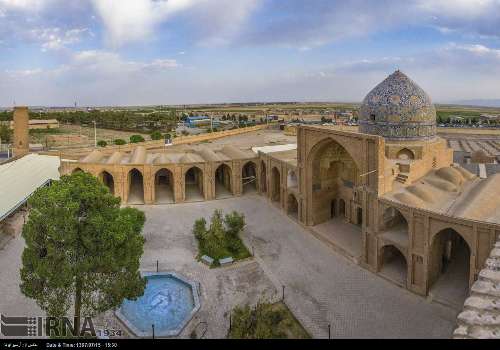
(21, 131)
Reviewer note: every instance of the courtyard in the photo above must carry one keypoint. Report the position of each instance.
(321, 287)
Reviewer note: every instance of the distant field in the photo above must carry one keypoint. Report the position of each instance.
(107, 135)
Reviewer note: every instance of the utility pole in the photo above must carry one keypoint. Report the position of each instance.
(95, 134)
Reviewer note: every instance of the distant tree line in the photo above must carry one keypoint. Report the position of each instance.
(145, 120)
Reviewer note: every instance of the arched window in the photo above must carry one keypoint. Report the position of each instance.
(405, 154)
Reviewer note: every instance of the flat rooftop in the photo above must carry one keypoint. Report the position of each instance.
(21, 177)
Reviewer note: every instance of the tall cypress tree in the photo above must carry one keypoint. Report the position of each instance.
(82, 250)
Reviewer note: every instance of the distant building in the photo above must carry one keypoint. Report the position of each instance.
(488, 118)
(40, 124)
(197, 121)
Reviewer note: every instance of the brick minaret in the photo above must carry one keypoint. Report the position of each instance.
(21, 131)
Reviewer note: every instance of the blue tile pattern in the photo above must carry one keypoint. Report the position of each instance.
(398, 109)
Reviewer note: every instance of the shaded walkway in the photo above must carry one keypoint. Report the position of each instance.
(346, 238)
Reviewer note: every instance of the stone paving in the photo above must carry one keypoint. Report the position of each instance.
(321, 286)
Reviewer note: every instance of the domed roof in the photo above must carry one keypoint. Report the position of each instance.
(398, 109)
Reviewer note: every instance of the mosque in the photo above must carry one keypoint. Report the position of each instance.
(388, 196)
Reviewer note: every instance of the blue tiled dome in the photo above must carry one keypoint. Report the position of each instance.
(398, 109)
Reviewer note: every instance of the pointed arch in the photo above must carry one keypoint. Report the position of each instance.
(332, 171)
(449, 274)
(249, 177)
(108, 180)
(223, 181)
(136, 187)
(194, 185)
(393, 264)
(405, 154)
(164, 186)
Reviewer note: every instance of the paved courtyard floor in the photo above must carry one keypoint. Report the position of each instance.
(321, 286)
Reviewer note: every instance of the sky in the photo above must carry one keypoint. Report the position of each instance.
(148, 52)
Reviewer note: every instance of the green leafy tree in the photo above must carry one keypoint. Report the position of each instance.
(120, 142)
(136, 139)
(262, 322)
(217, 225)
(200, 228)
(5, 134)
(102, 143)
(235, 222)
(156, 135)
(82, 250)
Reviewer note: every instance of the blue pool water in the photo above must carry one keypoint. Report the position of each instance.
(168, 303)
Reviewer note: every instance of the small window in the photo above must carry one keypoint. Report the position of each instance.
(372, 117)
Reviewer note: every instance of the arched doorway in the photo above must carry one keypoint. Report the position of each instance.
(249, 178)
(291, 180)
(108, 181)
(223, 184)
(136, 187)
(77, 170)
(275, 185)
(342, 208)
(449, 267)
(193, 185)
(293, 207)
(333, 208)
(393, 265)
(164, 186)
(263, 178)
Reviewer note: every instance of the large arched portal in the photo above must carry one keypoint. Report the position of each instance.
(275, 185)
(136, 187)
(193, 185)
(393, 265)
(449, 267)
(108, 181)
(249, 178)
(223, 183)
(293, 207)
(334, 175)
(164, 186)
(263, 178)
(334, 172)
